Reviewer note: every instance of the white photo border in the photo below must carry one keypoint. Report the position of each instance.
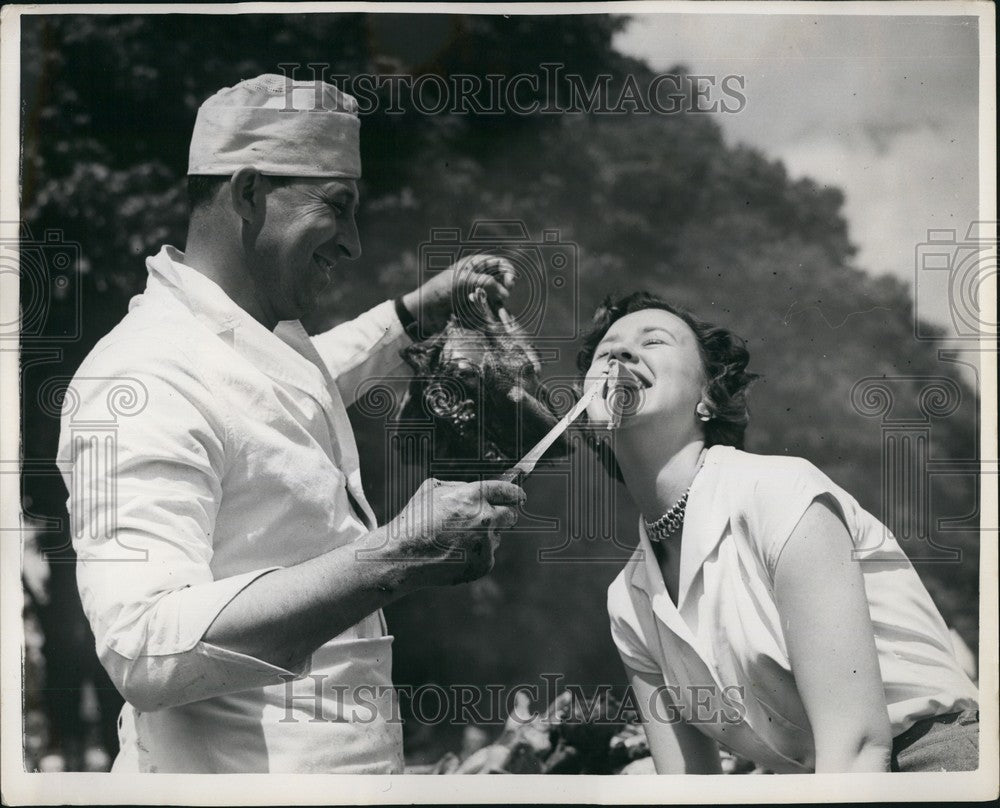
(22, 788)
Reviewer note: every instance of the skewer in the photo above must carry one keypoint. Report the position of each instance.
(612, 396)
(527, 464)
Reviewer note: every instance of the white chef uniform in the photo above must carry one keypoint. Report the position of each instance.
(202, 451)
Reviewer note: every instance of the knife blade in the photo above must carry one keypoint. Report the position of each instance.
(527, 464)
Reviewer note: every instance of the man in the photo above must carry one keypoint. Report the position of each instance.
(236, 593)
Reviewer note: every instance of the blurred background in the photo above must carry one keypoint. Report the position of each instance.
(742, 217)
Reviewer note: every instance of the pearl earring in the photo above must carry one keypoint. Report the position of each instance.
(703, 411)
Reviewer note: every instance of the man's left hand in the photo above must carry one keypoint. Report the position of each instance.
(432, 304)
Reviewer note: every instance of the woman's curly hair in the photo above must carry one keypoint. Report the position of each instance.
(724, 359)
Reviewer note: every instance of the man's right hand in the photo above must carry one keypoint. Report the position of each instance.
(449, 531)
(446, 534)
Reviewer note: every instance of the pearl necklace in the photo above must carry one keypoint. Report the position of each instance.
(668, 524)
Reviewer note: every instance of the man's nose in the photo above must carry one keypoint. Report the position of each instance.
(349, 241)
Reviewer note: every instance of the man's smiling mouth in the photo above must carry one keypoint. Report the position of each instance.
(326, 266)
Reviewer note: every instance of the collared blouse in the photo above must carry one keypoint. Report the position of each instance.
(201, 451)
(721, 651)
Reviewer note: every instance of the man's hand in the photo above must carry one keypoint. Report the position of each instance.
(451, 530)
(432, 304)
(446, 534)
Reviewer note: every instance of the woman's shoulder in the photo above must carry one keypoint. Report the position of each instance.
(753, 466)
(767, 495)
(761, 479)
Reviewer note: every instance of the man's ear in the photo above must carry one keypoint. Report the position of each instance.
(247, 192)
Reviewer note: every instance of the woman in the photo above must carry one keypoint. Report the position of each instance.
(763, 610)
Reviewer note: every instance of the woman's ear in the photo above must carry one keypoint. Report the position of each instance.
(247, 192)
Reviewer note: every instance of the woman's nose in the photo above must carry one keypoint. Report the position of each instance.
(622, 353)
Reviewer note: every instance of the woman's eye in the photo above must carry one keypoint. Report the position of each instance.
(600, 355)
(654, 341)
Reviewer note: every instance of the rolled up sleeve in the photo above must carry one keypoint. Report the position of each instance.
(144, 493)
(364, 348)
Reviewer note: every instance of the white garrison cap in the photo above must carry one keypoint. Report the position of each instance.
(279, 126)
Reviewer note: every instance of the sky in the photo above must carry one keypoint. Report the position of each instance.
(883, 107)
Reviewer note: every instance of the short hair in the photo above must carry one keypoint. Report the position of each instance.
(202, 188)
(724, 359)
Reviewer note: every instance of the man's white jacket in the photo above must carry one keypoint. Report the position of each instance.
(202, 451)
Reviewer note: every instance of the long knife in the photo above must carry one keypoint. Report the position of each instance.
(527, 464)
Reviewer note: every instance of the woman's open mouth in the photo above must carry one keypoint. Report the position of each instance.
(629, 377)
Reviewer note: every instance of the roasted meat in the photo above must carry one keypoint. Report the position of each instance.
(478, 382)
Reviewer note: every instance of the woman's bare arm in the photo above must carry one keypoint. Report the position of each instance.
(821, 599)
(676, 746)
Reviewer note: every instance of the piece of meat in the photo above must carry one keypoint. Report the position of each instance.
(478, 384)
